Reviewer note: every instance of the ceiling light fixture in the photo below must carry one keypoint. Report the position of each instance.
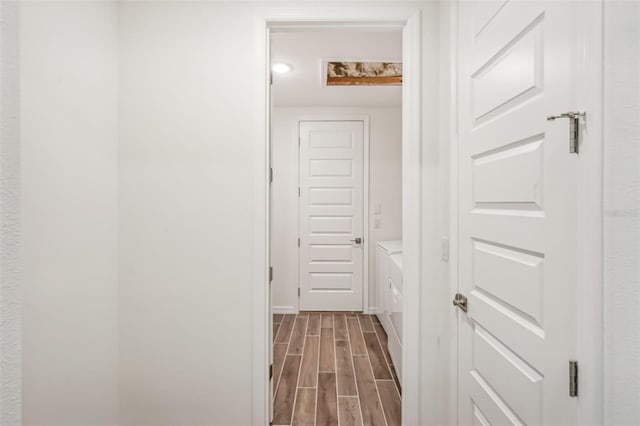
(281, 68)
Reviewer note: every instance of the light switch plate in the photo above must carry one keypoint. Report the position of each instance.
(378, 208)
(377, 222)
(444, 249)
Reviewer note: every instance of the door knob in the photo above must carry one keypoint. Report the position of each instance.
(357, 240)
(461, 302)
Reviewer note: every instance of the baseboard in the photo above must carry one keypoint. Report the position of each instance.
(283, 310)
(292, 310)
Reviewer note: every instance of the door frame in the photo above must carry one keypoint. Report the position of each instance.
(408, 20)
(589, 315)
(365, 194)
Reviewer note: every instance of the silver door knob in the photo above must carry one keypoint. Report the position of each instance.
(357, 240)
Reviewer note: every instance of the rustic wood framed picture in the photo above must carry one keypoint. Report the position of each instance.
(363, 73)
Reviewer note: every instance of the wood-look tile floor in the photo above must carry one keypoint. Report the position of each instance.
(333, 368)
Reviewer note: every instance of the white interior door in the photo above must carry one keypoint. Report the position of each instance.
(517, 213)
(331, 215)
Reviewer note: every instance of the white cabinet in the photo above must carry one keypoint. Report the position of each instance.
(394, 334)
(389, 294)
(384, 250)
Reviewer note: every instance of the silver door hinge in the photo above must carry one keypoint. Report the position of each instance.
(573, 379)
(271, 78)
(298, 242)
(270, 273)
(298, 191)
(574, 128)
(270, 174)
(298, 291)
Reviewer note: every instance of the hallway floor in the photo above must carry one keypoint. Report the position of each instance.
(333, 368)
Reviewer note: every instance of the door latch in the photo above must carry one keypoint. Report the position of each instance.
(574, 128)
(461, 302)
(357, 240)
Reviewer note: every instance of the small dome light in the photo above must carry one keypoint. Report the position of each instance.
(281, 68)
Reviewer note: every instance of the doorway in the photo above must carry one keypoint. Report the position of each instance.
(336, 193)
(408, 20)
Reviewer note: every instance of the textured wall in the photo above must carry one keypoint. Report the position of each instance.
(10, 315)
(621, 213)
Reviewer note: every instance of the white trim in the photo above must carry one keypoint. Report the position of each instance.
(365, 192)
(412, 219)
(284, 310)
(590, 288)
(261, 298)
(365, 216)
(452, 413)
(400, 17)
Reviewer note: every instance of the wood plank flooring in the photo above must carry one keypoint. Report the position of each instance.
(333, 368)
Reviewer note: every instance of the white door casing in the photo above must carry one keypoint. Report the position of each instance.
(331, 182)
(409, 19)
(517, 206)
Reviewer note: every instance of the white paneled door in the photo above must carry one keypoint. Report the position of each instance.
(517, 213)
(331, 215)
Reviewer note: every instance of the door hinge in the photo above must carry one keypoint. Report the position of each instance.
(270, 273)
(298, 291)
(270, 174)
(298, 242)
(460, 301)
(270, 78)
(573, 379)
(298, 191)
(574, 128)
(270, 371)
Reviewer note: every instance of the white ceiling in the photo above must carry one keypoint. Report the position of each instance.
(306, 51)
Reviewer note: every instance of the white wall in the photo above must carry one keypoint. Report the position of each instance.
(435, 304)
(69, 194)
(187, 130)
(189, 125)
(385, 188)
(445, 272)
(621, 213)
(137, 210)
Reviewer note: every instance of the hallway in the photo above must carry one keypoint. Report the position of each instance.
(333, 368)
